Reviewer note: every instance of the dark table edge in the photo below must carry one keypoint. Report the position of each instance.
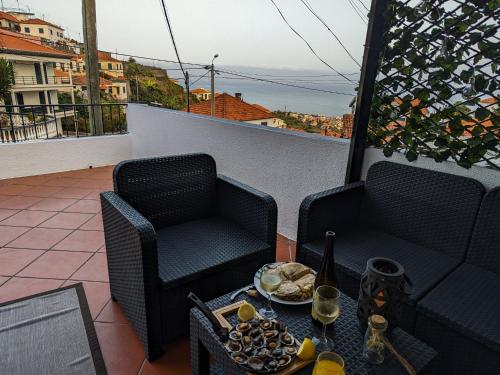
(95, 349)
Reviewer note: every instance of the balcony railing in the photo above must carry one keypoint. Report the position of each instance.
(28, 122)
(34, 80)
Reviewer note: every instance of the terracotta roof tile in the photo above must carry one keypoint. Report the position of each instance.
(14, 43)
(228, 107)
(104, 56)
(200, 91)
(8, 17)
(38, 21)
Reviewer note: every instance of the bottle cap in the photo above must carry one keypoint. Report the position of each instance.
(378, 321)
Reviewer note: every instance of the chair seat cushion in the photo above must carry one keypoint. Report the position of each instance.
(424, 267)
(467, 301)
(190, 250)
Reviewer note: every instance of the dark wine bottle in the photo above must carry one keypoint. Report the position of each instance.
(326, 274)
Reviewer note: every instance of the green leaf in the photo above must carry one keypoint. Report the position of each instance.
(482, 113)
(411, 155)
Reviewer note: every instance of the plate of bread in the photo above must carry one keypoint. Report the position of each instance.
(297, 283)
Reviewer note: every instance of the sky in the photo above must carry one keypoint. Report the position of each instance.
(243, 33)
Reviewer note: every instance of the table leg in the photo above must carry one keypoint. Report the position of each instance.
(199, 359)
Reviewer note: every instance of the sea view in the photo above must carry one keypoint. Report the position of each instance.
(280, 97)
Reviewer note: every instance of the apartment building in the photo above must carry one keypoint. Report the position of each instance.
(34, 79)
(9, 22)
(42, 29)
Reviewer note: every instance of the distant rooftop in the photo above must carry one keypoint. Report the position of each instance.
(231, 108)
(16, 44)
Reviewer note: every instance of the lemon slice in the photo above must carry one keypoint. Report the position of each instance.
(246, 312)
(306, 350)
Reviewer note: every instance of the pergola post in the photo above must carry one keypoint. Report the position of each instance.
(373, 47)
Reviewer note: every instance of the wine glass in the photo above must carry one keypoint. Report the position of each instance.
(327, 310)
(270, 281)
(329, 363)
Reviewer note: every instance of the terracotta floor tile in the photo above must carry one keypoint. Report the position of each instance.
(82, 240)
(121, 349)
(40, 238)
(66, 220)
(96, 269)
(93, 224)
(5, 213)
(41, 191)
(18, 287)
(13, 189)
(93, 184)
(95, 194)
(112, 313)
(73, 192)
(3, 279)
(19, 202)
(88, 206)
(61, 181)
(31, 180)
(27, 218)
(97, 294)
(55, 265)
(5, 197)
(52, 204)
(175, 361)
(14, 260)
(79, 173)
(8, 234)
(106, 175)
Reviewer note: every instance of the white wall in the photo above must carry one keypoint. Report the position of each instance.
(487, 176)
(40, 157)
(282, 163)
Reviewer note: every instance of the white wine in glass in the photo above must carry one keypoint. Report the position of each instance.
(327, 312)
(270, 282)
(326, 309)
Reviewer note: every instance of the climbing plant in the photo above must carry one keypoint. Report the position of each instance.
(437, 89)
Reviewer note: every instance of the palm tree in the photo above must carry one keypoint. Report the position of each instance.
(6, 79)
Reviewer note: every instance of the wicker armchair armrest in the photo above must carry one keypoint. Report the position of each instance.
(133, 268)
(250, 208)
(333, 209)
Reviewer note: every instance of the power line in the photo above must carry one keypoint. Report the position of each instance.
(363, 4)
(309, 7)
(165, 13)
(307, 43)
(294, 76)
(286, 84)
(358, 12)
(204, 75)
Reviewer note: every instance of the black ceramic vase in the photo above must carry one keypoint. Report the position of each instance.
(383, 288)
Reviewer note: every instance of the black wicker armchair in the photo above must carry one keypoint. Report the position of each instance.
(173, 226)
(460, 318)
(420, 218)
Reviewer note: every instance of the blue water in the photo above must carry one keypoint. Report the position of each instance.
(278, 97)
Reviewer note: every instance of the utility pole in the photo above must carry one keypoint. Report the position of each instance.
(137, 88)
(212, 90)
(186, 78)
(91, 67)
(212, 86)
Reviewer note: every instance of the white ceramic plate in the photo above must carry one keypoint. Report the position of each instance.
(256, 283)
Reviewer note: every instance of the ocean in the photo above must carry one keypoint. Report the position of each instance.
(280, 97)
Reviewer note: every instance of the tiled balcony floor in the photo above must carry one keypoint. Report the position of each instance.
(51, 235)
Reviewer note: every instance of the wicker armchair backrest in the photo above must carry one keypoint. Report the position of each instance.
(433, 209)
(484, 250)
(169, 190)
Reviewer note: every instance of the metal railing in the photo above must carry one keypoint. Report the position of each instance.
(19, 123)
(34, 80)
